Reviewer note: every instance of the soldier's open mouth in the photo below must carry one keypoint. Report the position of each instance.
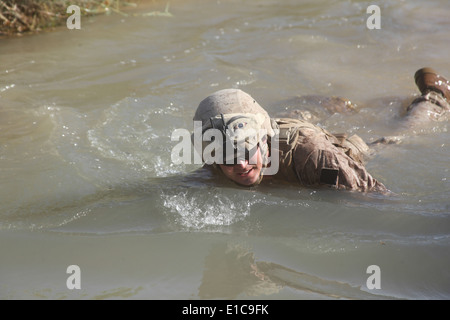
(246, 172)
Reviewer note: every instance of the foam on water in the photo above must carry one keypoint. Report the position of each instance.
(194, 212)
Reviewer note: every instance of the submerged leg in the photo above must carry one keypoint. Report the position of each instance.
(430, 106)
(313, 108)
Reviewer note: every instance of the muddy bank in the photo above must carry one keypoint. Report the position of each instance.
(30, 16)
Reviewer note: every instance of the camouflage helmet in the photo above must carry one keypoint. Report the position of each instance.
(231, 101)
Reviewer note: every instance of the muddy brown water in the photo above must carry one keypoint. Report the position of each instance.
(86, 176)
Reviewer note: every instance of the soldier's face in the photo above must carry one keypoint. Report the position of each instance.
(245, 172)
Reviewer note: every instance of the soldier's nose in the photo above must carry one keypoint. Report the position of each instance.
(242, 163)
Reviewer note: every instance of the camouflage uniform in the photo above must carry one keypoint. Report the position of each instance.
(312, 156)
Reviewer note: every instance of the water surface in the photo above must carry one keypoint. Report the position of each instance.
(86, 176)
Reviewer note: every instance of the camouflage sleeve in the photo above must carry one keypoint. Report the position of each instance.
(318, 162)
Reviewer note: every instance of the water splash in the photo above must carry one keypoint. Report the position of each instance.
(208, 209)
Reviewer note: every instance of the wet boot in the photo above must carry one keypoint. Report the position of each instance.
(429, 80)
(435, 90)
